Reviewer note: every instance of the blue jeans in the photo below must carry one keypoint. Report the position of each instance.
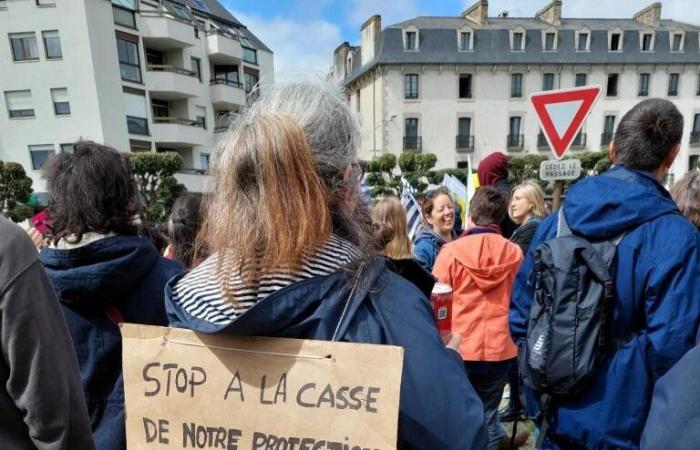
(489, 379)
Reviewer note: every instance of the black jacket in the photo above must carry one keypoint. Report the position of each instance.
(524, 233)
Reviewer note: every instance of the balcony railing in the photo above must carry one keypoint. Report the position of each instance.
(232, 83)
(172, 69)
(193, 171)
(412, 143)
(515, 141)
(695, 137)
(224, 33)
(165, 14)
(605, 138)
(542, 143)
(178, 121)
(464, 143)
(221, 129)
(579, 141)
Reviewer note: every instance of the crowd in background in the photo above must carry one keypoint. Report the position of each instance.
(285, 230)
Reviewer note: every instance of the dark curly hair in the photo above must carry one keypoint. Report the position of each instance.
(90, 189)
(185, 221)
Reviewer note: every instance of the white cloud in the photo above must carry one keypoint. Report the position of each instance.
(297, 45)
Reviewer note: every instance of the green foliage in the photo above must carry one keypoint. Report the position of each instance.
(592, 163)
(425, 162)
(387, 163)
(15, 189)
(521, 168)
(415, 169)
(436, 176)
(407, 162)
(155, 180)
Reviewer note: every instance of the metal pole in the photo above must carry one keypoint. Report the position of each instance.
(556, 194)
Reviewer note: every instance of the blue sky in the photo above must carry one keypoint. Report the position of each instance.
(304, 33)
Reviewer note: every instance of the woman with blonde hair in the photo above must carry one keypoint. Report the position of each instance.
(527, 209)
(292, 256)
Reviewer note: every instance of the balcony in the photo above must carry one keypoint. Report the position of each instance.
(464, 143)
(171, 83)
(579, 142)
(223, 48)
(413, 143)
(226, 94)
(515, 142)
(695, 138)
(606, 138)
(163, 30)
(195, 180)
(175, 132)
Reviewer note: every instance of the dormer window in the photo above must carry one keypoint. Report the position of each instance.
(550, 41)
(615, 41)
(583, 41)
(410, 39)
(677, 42)
(465, 41)
(647, 44)
(517, 40)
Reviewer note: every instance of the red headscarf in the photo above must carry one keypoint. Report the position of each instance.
(493, 168)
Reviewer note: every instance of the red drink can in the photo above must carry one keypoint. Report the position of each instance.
(441, 300)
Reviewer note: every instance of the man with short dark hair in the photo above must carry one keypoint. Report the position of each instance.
(656, 308)
(41, 398)
(481, 267)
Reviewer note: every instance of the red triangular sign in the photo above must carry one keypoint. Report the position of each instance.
(561, 114)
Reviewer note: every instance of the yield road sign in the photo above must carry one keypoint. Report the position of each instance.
(561, 114)
(566, 169)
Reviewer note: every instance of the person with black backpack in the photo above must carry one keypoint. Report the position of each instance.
(606, 301)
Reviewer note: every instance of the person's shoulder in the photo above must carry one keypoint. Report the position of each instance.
(671, 232)
(16, 250)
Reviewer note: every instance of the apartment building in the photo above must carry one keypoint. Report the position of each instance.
(138, 75)
(459, 87)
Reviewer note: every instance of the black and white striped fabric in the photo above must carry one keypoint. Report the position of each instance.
(199, 292)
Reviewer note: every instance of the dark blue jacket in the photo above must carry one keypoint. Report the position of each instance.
(121, 272)
(657, 300)
(428, 244)
(439, 408)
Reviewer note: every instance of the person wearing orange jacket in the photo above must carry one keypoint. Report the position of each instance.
(481, 267)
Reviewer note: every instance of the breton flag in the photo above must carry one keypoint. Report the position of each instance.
(410, 204)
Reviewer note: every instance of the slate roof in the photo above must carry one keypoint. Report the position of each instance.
(491, 43)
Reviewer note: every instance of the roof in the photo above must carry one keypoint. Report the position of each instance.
(491, 43)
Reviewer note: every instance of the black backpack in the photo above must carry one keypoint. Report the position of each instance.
(570, 311)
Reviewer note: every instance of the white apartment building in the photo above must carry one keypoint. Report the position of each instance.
(459, 87)
(138, 75)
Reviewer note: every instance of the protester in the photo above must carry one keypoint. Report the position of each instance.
(103, 273)
(289, 237)
(41, 400)
(656, 307)
(493, 171)
(439, 216)
(527, 210)
(686, 194)
(183, 226)
(481, 267)
(389, 220)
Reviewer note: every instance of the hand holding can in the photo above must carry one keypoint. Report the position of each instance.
(441, 301)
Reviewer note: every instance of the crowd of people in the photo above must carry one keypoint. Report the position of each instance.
(284, 246)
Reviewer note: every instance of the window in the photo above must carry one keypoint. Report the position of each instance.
(411, 139)
(201, 116)
(196, 67)
(410, 86)
(124, 17)
(204, 162)
(515, 125)
(160, 108)
(673, 84)
(643, 85)
(19, 103)
(696, 124)
(250, 79)
(3, 4)
(126, 4)
(129, 63)
(227, 73)
(465, 85)
(517, 44)
(66, 148)
(24, 46)
(549, 39)
(647, 42)
(697, 88)
(45, 2)
(582, 42)
(52, 44)
(616, 42)
(411, 40)
(581, 79)
(694, 162)
(59, 97)
(547, 81)
(155, 57)
(608, 130)
(514, 137)
(138, 146)
(136, 112)
(40, 154)
(464, 126)
(250, 55)
(611, 90)
(516, 85)
(465, 40)
(677, 42)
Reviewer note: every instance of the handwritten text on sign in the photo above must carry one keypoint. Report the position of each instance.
(193, 391)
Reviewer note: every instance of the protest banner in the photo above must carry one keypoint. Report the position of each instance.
(187, 390)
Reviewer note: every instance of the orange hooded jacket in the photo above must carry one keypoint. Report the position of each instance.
(481, 269)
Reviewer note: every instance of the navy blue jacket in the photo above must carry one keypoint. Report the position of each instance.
(438, 409)
(657, 300)
(428, 244)
(121, 272)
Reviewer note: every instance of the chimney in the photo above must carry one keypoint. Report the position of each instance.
(370, 33)
(551, 13)
(478, 12)
(340, 55)
(651, 15)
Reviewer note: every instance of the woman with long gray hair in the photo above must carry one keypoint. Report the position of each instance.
(292, 256)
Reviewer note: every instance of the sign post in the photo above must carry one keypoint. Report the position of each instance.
(561, 114)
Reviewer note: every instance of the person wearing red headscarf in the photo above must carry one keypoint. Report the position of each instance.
(493, 171)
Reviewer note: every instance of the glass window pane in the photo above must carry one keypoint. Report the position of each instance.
(24, 46)
(582, 41)
(130, 4)
(137, 125)
(549, 41)
(40, 154)
(52, 42)
(464, 126)
(124, 17)
(580, 79)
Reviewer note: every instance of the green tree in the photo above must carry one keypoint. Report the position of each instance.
(15, 189)
(155, 180)
(521, 168)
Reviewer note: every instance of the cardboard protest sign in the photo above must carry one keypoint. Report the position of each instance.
(186, 390)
